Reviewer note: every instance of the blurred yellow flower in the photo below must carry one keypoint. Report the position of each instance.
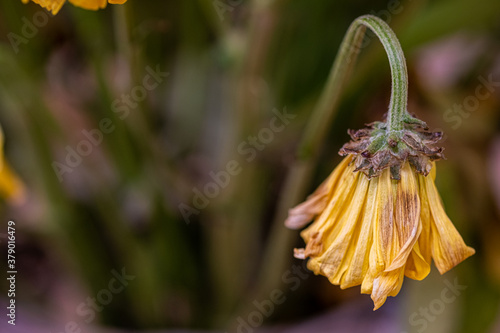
(11, 187)
(55, 5)
(374, 231)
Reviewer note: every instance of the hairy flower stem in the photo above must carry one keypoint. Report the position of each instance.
(342, 67)
(301, 171)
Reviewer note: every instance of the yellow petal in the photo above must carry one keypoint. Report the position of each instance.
(339, 200)
(333, 262)
(55, 5)
(448, 247)
(407, 216)
(89, 4)
(360, 262)
(417, 267)
(314, 246)
(398, 233)
(385, 224)
(51, 5)
(424, 240)
(302, 214)
(386, 284)
(11, 186)
(381, 232)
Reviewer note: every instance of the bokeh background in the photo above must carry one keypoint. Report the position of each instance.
(224, 70)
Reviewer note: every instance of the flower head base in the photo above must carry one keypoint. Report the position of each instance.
(55, 5)
(374, 231)
(376, 148)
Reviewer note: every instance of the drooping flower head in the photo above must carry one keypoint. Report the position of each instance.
(378, 217)
(55, 5)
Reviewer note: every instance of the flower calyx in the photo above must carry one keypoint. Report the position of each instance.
(376, 147)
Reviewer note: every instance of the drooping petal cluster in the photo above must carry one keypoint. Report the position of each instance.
(373, 232)
(55, 5)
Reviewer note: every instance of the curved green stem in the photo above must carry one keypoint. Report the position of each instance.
(341, 69)
(399, 94)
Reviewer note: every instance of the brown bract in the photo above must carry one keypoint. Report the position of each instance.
(376, 149)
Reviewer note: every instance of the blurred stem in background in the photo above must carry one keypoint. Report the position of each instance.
(239, 229)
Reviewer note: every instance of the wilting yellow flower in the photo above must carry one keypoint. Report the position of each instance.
(373, 232)
(55, 5)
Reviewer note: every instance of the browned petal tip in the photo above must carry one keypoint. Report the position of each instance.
(299, 253)
(465, 253)
(297, 220)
